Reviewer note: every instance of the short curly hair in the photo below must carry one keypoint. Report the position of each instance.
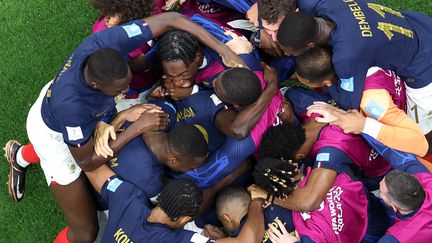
(127, 9)
(272, 10)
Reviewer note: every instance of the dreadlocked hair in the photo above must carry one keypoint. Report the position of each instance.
(127, 9)
(272, 10)
(282, 141)
(276, 177)
(180, 198)
(177, 45)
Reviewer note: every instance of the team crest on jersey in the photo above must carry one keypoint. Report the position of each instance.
(347, 84)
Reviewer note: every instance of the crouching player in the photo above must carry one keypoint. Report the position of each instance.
(131, 218)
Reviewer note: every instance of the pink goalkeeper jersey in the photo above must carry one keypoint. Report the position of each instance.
(355, 147)
(342, 216)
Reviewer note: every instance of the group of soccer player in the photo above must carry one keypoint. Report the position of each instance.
(175, 117)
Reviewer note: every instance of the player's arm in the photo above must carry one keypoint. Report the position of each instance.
(88, 160)
(309, 197)
(99, 176)
(391, 125)
(253, 230)
(161, 23)
(239, 124)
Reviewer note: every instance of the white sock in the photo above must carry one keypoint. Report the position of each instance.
(20, 160)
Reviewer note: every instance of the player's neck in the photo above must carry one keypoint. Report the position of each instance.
(157, 215)
(324, 29)
(157, 143)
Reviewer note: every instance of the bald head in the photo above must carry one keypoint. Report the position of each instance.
(233, 201)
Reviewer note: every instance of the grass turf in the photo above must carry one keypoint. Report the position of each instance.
(35, 38)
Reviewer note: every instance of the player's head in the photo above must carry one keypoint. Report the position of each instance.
(232, 204)
(314, 68)
(286, 141)
(119, 12)
(106, 70)
(181, 200)
(277, 177)
(296, 33)
(188, 147)
(180, 56)
(402, 191)
(237, 86)
(272, 13)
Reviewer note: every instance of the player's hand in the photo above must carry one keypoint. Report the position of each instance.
(213, 232)
(270, 47)
(134, 113)
(101, 136)
(171, 5)
(252, 15)
(238, 44)
(281, 235)
(350, 122)
(231, 59)
(151, 120)
(257, 193)
(271, 78)
(322, 108)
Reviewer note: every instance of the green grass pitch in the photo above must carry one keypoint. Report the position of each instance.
(35, 38)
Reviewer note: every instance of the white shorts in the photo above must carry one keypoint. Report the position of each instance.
(55, 158)
(419, 106)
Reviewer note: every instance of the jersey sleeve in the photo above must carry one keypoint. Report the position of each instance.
(349, 89)
(124, 38)
(76, 126)
(221, 163)
(387, 238)
(390, 125)
(333, 159)
(121, 194)
(217, 31)
(214, 107)
(241, 6)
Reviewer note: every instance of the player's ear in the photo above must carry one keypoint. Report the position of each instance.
(311, 45)
(227, 218)
(300, 156)
(94, 85)
(182, 220)
(326, 83)
(198, 56)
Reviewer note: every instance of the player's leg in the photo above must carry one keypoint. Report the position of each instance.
(19, 158)
(77, 204)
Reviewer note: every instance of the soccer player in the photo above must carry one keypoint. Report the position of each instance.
(144, 71)
(332, 153)
(232, 205)
(394, 40)
(131, 218)
(61, 122)
(409, 197)
(383, 102)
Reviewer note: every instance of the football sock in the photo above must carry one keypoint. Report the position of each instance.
(62, 236)
(29, 154)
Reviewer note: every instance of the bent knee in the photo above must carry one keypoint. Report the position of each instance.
(83, 234)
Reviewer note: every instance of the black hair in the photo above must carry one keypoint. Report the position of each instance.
(106, 65)
(230, 193)
(272, 10)
(297, 30)
(276, 177)
(188, 141)
(180, 198)
(404, 190)
(177, 45)
(316, 64)
(282, 141)
(127, 9)
(241, 85)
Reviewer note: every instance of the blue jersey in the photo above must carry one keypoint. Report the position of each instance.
(71, 106)
(128, 215)
(301, 98)
(368, 34)
(212, 63)
(241, 6)
(220, 163)
(201, 108)
(138, 165)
